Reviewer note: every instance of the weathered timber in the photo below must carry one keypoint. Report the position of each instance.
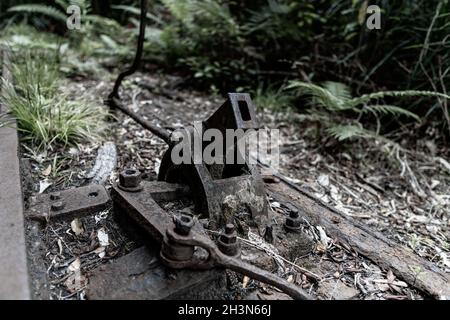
(404, 263)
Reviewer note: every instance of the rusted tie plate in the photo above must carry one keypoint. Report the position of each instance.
(69, 204)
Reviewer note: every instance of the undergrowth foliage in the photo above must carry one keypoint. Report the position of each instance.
(259, 46)
(336, 97)
(44, 114)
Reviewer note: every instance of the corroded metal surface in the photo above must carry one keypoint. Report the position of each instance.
(140, 275)
(14, 283)
(210, 184)
(13, 262)
(70, 203)
(181, 238)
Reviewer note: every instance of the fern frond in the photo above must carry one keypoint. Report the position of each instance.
(182, 10)
(338, 89)
(104, 22)
(384, 109)
(345, 132)
(40, 9)
(190, 12)
(322, 96)
(401, 94)
(137, 12)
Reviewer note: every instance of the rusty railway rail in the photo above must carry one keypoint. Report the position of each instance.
(14, 277)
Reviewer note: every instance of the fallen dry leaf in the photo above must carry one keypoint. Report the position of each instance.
(43, 185)
(100, 251)
(47, 171)
(60, 247)
(76, 282)
(290, 278)
(323, 180)
(321, 248)
(245, 282)
(77, 226)
(74, 266)
(103, 237)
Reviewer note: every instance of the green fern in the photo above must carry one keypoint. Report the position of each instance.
(137, 11)
(345, 132)
(398, 94)
(322, 96)
(338, 89)
(195, 15)
(336, 97)
(384, 109)
(40, 9)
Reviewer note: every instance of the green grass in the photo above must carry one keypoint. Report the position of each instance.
(45, 115)
(272, 98)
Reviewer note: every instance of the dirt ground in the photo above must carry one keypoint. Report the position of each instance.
(400, 192)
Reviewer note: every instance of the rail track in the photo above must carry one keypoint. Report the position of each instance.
(141, 274)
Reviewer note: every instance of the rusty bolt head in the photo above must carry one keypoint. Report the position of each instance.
(293, 213)
(55, 196)
(130, 178)
(228, 242)
(229, 228)
(230, 235)
(183, 224)
(293, 222)
(268, 233)
(56, 206)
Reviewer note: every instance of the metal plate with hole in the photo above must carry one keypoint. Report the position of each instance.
(68, 204)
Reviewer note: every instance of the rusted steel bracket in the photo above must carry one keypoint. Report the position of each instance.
(210, 184)
(184, 242)
(69, 204)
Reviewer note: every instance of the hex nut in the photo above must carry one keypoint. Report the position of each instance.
(228, 242)
(230, 235)
(55, 196)
(56, 206)
(293, 222)
(130, 179)
(183, 224)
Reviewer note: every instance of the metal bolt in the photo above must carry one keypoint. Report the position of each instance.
(268, 234)
(59, 205)
(183, 224)
(55, 196)
(293, 222)
(229, 228)
(130, 178)
(228, 243)
(294, 213)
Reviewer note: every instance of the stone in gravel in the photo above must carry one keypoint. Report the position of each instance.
(337, 290)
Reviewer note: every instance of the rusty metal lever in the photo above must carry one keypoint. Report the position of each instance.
(177, 248)
(178, 243)
(113, 100)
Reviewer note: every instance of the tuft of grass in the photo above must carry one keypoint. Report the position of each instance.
(44, 114)
(272, 98)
